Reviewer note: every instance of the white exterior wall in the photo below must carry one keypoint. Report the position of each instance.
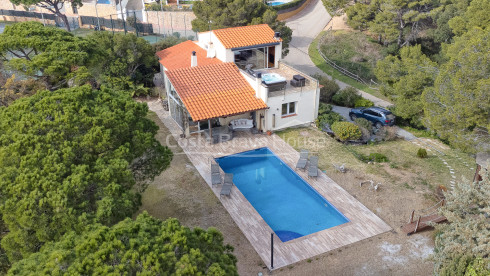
(306, 110)
(277, 55)
(223, 54)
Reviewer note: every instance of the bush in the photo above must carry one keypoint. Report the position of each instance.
(329, 118)
(361, 122)
(346, 97)
(324, 108)
(329, 89)
(366, 128)
(378, 157)
(346, 131)
(387, 133)
(421, 153)
(361, 102)
(373, 157)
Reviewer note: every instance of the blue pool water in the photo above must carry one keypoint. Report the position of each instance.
(275, 3)
(287, 203)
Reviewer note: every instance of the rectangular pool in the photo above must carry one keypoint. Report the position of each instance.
(287, 203)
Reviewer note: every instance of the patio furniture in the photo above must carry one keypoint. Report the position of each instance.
(215, 175)
(221, 134)
(228, 184)
(240, 124)
(303, 158)
(313, 167)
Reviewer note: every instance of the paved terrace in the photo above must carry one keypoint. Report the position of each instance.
(363, 223)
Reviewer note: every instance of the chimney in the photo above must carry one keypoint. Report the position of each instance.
(277, 36)
(259, 85)
(193, 59)
(211, 53)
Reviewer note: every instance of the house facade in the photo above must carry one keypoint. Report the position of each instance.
(232, 74)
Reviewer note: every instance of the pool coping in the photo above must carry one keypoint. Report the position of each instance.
(363, 223)
(302, 179)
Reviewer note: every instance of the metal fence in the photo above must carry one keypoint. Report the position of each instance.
(114, 24)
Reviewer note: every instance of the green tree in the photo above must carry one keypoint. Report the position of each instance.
(145, 246)
(476, 15)
(167, 42)
(393, 21)
(54, 6)
(404, 79)
(359, 15)
(462, 246)
(457, 107)
(335, 7)
(123, 58)
(218, 14)
(47, 53)
(442, 15)
(69, 158)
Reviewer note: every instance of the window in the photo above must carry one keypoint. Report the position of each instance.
(288, 109)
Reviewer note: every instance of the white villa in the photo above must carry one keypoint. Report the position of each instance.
(234, 79)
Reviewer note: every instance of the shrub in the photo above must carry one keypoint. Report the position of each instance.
(346, 131)
(346, 97)
(372, 157)
(329, 89)
(361, 102)
(378, 157)
(387, 133)
(421, 153)
(329, 118)
(324, 108)
(361, 122)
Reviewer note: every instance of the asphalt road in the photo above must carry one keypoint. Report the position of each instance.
(306, 26)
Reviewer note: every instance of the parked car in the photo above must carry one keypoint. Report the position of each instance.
(376, 115)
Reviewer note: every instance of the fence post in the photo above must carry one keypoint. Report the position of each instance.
(272, 250)
(135, 23)
(112, 25)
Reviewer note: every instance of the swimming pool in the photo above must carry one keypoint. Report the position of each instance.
(275, 3)
(286, 202)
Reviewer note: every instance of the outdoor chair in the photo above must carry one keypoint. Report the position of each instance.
(228, 184)
(215, 175)
(303, 158)
(313, 167)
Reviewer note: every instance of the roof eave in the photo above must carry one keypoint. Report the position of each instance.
(256, 46)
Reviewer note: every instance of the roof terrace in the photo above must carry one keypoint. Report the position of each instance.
(281, 81)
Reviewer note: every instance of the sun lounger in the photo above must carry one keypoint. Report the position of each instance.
(215, 175)
(313, 167)
(229, 178)
(303, 158)
(228, 184)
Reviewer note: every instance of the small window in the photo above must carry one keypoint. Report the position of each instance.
(288, 109)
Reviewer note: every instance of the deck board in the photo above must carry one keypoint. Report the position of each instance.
(363, 223)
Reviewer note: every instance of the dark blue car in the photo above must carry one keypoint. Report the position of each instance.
(376, 115)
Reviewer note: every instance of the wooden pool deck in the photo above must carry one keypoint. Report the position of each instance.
(363, 223)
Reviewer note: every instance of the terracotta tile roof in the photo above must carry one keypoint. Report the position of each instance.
(245, 36)
(179, 56)
(213, 91)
